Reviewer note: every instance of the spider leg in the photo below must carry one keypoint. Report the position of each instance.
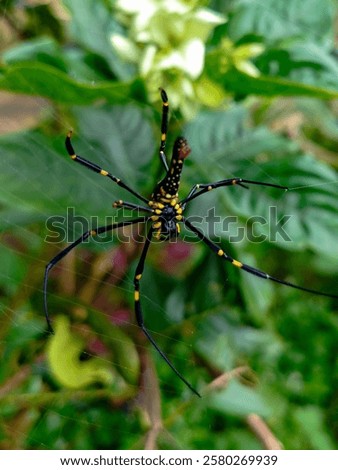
(130, 205)
(69, 248)
(204, 188)
(139, 314)
(164, 128)
(256, 272)
(96, 168)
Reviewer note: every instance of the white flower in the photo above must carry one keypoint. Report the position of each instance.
(125, 47)
(169, 37)
(189, 58)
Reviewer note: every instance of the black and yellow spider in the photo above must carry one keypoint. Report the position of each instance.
(164, 212)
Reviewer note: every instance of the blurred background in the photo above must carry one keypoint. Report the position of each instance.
(252, 84)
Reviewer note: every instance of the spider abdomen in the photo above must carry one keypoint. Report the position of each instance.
(166, 217)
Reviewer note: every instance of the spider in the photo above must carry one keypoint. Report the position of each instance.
(164, 213)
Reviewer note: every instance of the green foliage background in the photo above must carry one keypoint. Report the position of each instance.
(97, 384)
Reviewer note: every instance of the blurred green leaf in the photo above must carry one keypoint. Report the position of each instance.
(264, 85)
(126, 358)
(215, 343)
(256, 292)
(92, 25)
(311, 202)
(13, 270)
(275, 20)
(303, 62)
(239, 400)
(232, 148)
(320, 116)
(36, 78)
(311, 421)
(121, 138)
(32, 160)
(42, 50)
(226, 137)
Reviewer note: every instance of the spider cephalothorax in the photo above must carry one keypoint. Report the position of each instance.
(164, 213)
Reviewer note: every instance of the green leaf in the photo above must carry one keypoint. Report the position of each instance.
(13, 215)
(232, 149)
(92, 25)
(302, 62)
(239, 400)
(214, 342)
(36, 78)
(122, 143)
(313, 65)
(311, 421)
(42, 49)
(126, 358)
(13, 270)
(244, 84)
(320, 117)
(30, 161)
(225, 136)
(79, 65)
(257, 292)
(121, 139)
(311, 202)
(276, 20)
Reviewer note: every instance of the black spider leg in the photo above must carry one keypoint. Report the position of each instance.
(69, 248)
(205, 187)
(97, 169)
(139, 314)
(256, 272)
(132, 206)
(164, 128)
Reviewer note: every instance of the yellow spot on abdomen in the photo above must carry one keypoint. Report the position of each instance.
(138, 277)
(236, 263)
(220, 252)
(137, 296)
(73, 157)
(104, 172)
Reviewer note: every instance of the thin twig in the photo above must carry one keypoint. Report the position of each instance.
(151, 402)
(222, 381)
(16, 380)
(263, 432)
(64, 396)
